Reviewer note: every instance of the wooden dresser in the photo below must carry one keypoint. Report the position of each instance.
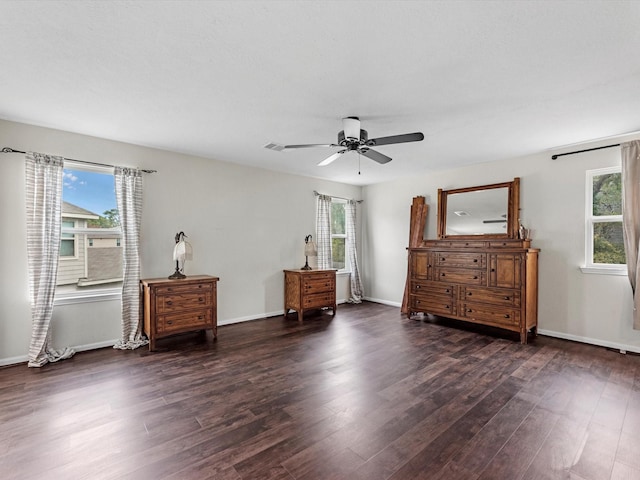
(177, 306)
(309, 290)
(491, 282)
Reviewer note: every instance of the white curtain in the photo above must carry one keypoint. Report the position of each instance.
(43, 178)
(631, 219)
(129, 200)
(323, 231)
(356, 284)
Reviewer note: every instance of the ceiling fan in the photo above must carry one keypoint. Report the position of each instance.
(353, 138)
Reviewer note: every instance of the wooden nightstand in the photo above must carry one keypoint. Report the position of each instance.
(309, 290)
(178, 306)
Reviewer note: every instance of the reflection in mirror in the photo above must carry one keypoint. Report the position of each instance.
(481, 212)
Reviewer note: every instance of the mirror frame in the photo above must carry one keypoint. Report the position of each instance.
(513, 207)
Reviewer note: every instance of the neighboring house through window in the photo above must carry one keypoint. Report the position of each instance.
(339, 235)
(90, 262)
(604, 237)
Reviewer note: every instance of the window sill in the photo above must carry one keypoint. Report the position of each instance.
(88, 297)
(602, 270)
(343, 272)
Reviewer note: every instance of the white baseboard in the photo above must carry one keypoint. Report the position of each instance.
(384, 302)
(78, 348)
(624, 348)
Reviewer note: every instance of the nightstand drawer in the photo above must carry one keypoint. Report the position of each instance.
(317, 300)
(195, 287)
(184, 321)
(180, 301)
(311, 286)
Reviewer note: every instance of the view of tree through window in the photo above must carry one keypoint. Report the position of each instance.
(90, 251)
(608, 246)
(338, 235)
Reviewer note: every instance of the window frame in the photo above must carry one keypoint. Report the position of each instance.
(88, 294)
(590, 220)
(347, 263)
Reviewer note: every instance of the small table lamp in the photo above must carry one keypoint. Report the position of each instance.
(181, 252)
(310, 249)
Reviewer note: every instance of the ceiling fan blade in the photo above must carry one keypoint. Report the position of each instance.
(278, 147)
(332, 158)
(312, 145)
(407, 137)
(375, 156)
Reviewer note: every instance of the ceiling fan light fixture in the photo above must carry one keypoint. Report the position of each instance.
(351, 127)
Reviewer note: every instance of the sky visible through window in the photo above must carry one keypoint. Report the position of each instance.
(92, 191)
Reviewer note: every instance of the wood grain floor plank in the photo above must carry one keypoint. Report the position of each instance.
(367, 394)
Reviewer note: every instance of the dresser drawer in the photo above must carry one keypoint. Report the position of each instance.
(192, 320)
(431, 288)
(461, 275)
(495, 296)
(179, 301)
(491, 315)
(436, 304)
(317, 300)
(461, 259)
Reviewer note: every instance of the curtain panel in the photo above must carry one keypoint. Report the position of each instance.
(631, 219)
(43, 186)
(129, 201)
(323, 231)
(356, 284)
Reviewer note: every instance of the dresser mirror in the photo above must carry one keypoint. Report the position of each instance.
(485, 210)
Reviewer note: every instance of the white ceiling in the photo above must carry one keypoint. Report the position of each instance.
(220, 79)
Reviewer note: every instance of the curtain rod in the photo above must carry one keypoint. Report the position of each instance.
(11, 150)
(333, 196)
(553, 157)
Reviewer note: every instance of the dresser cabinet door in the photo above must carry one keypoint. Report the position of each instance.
(505, 270)
(421, 265)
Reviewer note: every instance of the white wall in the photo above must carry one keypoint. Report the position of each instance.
(586, 307)
(245, 225)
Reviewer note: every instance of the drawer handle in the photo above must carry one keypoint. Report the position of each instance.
(475, 278)
(446, 306)
(418, 302)
(447, 291)
(429, 265)
(417, 287)
(493, 269)
(475, 260)
(506, 315)
(169, 302)
(442, 259)
(469, 294)
(200, 317)
(506, 298)
(469, 310)
(200, 299)
(170, 322)
(442, 274)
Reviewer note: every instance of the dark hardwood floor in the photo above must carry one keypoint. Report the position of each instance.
(365, 395)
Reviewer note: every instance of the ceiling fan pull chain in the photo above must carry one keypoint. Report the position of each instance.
(358, 163)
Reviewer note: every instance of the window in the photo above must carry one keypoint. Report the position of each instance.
(338, 234)
(604, 238)
(68, 241)
(90, 263)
